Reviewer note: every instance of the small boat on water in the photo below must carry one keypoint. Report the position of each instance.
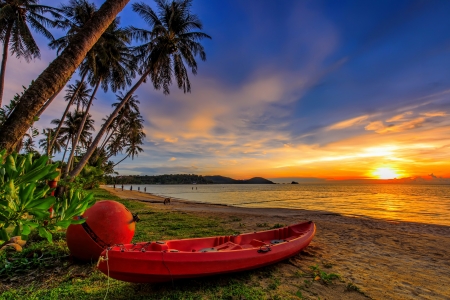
(187, 258)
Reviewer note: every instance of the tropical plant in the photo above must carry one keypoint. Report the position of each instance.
(56, 75)
(45, 142)
(80, 92)
(168, 46)
(109, 64)
(70, 128)
(76, 14)
(131, 136)
(20, 194)
(15, 17)
(132, 105)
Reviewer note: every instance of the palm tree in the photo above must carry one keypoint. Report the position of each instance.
(77, 13)
(168, 46)
(80, 92)
(55, 76)
(109, 64)
(133, 134)
(70, 129)
(45, 142)
(132, 105)
(15, 18)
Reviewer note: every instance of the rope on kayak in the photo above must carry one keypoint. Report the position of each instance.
(100, 259)
(164, 263)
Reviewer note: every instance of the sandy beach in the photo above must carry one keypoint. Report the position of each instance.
(386, 260)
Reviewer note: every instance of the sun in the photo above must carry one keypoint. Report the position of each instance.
(385, 173)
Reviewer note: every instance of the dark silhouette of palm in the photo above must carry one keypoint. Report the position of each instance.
(168, 45)
(45, 142)
(132, 105)
(80, 92)
(16, 18)
(109, 64)
(70, 128)
(129, 137)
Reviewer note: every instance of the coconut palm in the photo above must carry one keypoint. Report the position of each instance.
(56, 75)
(132, 105)
(76, 14)
(80, 92)
(169, 44)
(16, 18)
(45, 142)
(108, 64)
(70, 129)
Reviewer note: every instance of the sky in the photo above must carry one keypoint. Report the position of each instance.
(295, 90)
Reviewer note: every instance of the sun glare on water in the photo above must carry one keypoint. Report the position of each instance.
(385, 173)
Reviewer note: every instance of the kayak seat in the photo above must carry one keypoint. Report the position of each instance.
(257, 243)
(228, 246)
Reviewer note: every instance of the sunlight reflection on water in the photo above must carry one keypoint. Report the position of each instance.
(415, 203)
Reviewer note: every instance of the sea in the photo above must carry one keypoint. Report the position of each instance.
(394, 202)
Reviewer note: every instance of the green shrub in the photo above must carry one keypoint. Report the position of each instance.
(25, 200)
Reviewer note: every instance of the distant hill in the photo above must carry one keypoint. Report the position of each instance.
(217, 179)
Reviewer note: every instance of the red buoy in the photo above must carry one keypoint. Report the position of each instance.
(107, 223)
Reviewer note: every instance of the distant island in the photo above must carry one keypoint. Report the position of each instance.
(227, 180)
(182, 179)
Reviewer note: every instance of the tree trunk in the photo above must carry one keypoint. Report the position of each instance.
(4, 59)
(105, 126)
(81, 128)
(121, 160)
(49, 101)
(108, 137)
(57, 74)
(55, 136)
(65, 151)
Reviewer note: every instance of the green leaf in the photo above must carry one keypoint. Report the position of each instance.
(63, 223)
(40, 162)
(26, 230)
(16, 230)
(3, 235)
(40, 214)
(45, 234)
(41, 203)
(10, 163)
(52, 175)
(77, 221)
(26, 194)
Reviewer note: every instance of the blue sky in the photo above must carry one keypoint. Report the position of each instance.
(330, 89)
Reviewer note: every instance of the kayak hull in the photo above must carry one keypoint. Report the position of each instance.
(199, 257)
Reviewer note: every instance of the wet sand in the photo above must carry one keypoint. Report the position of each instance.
(386, 260)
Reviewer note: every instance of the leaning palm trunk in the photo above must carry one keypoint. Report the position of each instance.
(105, 126)
(5, 57)
(49, 101)
(65, 113)
(65, 151)
(81, 128)
(121, 160)
(113, 130)
(57, 74)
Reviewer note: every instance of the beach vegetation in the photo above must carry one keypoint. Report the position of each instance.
(16, 18)
(277, 225)
(169, 44)
(262, 225)
(25, 198)
(56, 75)
(324, 277)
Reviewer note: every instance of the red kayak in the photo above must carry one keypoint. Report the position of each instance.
(176, 259)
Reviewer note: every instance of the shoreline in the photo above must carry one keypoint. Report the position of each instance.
(387, 260)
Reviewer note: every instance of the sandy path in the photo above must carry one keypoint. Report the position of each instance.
(387, 260)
